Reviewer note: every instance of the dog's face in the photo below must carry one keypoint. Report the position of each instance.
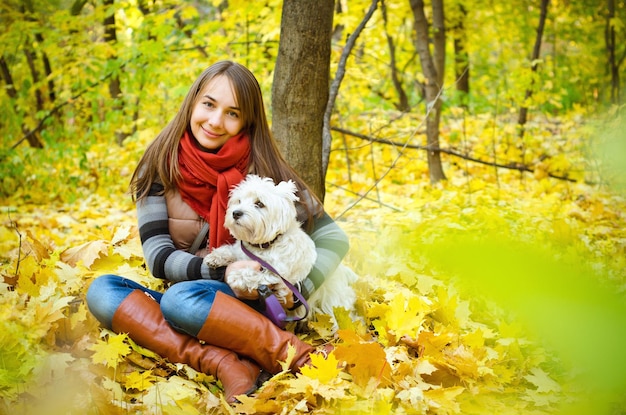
(258, 210)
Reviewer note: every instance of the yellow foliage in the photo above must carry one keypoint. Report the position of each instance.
(322, 368)
(110, 351)
(450, 325)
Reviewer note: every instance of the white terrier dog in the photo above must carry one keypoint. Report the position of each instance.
(263, 217)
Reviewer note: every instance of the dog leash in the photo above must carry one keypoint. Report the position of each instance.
(293, 289)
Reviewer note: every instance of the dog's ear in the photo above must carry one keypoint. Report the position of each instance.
(288, 189)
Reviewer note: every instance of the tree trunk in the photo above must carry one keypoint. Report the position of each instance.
(403, 99)
(31, 136)
(461, 57)
(300, 86)
(31, 60)
(523, 113)
(609, 38)
(433, 67)
(115, 86)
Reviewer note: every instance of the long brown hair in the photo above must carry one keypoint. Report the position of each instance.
(159, 163)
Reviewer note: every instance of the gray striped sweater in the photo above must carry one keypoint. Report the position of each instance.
(166, 262)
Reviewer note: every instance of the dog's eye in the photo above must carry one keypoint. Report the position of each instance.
(259, 204)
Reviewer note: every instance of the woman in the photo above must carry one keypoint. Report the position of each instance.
(219, 135)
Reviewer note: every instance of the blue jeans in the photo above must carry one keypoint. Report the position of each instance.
(185, 305)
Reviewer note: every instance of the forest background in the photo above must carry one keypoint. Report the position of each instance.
(498, 288)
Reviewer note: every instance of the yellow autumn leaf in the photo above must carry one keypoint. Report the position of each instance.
(121, 234)
(322, 368)
(542, 381)
(365, 360)
(474, 339)
(86, 253)
(35, 247)
(322, 325)
(110, 351)
(444, 398)
(140, 381)
(404, 316)
(69, 276)
(170, 392)
(291, 353)
(28, 267)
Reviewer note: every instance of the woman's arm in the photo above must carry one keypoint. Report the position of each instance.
(331, 244)
(163, 259)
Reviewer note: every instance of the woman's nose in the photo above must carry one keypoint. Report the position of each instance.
(215, 119)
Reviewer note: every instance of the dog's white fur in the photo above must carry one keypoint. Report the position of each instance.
(260, 212)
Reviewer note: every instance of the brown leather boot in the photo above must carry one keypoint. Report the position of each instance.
(235, 326)
(140, 316)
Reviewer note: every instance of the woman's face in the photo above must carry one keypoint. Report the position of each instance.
(216, 117)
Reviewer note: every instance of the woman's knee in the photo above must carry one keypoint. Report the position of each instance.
(101, 299)
(186, 305)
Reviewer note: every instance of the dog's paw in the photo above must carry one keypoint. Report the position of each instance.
(281, 292)
(239, 280)
(214, 261)
(220, 257)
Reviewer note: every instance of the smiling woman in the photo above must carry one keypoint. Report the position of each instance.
(182, 182)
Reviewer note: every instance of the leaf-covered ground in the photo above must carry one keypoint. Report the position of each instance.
(488, 293)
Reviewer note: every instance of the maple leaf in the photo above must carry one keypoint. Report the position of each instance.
(542, 381)
(444, 398)
(139, 381)
(365, 360)
(171, 393)
(250, 405)
(405, 316)
(114, 387)
(47, 312)
(69, 277)
(303, 385)
(110, 351)
(86, 253)
(36, 248)
(121, 234)
(291, 353)
(322, 325)
(322, 368)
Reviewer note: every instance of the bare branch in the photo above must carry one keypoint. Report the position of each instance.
(334, 86)
(510, 166)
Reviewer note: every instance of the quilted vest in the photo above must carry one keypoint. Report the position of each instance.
(184, 223)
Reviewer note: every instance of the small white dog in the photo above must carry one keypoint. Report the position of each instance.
(263, 216)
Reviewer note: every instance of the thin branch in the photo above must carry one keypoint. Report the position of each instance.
(334, 86)
(380, 203)
(511, 166)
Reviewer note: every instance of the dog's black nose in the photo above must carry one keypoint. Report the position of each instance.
(237, 214)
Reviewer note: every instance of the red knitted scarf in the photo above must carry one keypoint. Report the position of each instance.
(207, 179)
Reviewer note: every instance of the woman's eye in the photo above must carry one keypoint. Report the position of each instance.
(259, 204)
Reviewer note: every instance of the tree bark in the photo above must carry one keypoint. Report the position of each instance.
(31, 136)
(461, 57)
(334, 86)
(403, 99)
(523, 113)
(300, 86)
(609, 38)
(433, 67)
(115, 85)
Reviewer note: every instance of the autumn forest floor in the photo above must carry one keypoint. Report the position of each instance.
(491, 292)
